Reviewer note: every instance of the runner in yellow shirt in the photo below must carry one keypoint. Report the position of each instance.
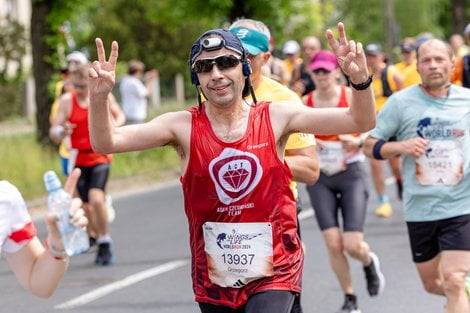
(407, 67)
(386, 80)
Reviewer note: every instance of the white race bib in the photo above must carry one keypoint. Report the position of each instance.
(238, 253)
(331, 157)
(441, 164)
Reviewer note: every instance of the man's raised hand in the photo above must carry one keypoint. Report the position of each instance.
(350, 55)
(101, 76)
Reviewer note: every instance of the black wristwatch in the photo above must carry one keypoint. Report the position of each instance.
(363, 85)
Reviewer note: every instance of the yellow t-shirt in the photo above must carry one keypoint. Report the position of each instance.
(63, 150)
(378, 90)
(409, 72)
(270, 90)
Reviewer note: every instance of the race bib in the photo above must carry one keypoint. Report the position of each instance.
(331, 157)
(238, 253)
(441, 164)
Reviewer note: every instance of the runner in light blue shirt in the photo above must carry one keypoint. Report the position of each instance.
(431, 122)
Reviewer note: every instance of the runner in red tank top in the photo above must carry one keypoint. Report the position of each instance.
(243, 175)
(73, 110)
(246, 254)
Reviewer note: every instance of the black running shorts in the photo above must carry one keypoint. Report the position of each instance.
(269, 301)
(92, 177)
(428, 239)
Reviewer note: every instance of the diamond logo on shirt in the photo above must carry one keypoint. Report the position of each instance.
(235, 178)
(235, 173)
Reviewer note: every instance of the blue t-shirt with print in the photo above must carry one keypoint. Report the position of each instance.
(444, 121)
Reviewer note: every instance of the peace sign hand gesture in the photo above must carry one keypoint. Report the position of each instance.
(101, 76)
(350, 55)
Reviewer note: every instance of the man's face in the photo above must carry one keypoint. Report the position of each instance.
(374, 60)
(434, 64)
(80, 85)
(408, 56)
(310, 47)
(257, 62)
(221, 87)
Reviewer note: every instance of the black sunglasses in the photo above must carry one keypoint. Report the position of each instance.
(321, 70)
(223, 62)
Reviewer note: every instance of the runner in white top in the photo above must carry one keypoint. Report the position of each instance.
(37, 269)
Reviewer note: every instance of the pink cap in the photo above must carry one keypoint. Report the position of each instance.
(324, 59)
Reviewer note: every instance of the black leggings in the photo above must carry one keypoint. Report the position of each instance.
(270, 301)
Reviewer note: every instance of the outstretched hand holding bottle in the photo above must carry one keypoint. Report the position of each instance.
(65, 221)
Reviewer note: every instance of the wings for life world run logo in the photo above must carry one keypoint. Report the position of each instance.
(436, 129)
(234, 240)
(235, 174)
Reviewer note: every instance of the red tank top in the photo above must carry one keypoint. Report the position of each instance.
(342, 103)
(81, 137)
(240, 182)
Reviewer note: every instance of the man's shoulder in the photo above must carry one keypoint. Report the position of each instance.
(66, 97)
(128, 80)
(460, 91)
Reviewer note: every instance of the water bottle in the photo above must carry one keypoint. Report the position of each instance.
(75, 239)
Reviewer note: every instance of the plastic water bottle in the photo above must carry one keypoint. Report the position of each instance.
(75, 239)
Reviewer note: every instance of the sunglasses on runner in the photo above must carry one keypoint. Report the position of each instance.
(223, 62)
(321, 70)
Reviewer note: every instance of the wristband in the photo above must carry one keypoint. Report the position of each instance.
(57, 254)
(363, 85)
(376, 150)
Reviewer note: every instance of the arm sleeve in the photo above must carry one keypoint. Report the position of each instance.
(19, 227)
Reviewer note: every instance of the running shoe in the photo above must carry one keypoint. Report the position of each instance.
(350, 305)
(105, 254)
(374, 277)
(384, 210)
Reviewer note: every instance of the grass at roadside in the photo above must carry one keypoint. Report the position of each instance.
(24, 161)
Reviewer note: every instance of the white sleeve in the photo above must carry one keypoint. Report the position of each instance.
(16, 227)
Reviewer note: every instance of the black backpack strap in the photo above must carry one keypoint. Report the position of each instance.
(387, 91)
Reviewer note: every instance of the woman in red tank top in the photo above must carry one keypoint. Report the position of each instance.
(341, 186)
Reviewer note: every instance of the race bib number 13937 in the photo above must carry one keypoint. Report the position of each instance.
(238, 253)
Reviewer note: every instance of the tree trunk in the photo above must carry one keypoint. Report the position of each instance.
(43, 71)
(239, 9)
(458, 16)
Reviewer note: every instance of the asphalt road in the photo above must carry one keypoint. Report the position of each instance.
(152, 272)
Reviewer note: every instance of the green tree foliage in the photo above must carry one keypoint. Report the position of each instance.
(160, 33)
(365, 18)
(12, 49)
